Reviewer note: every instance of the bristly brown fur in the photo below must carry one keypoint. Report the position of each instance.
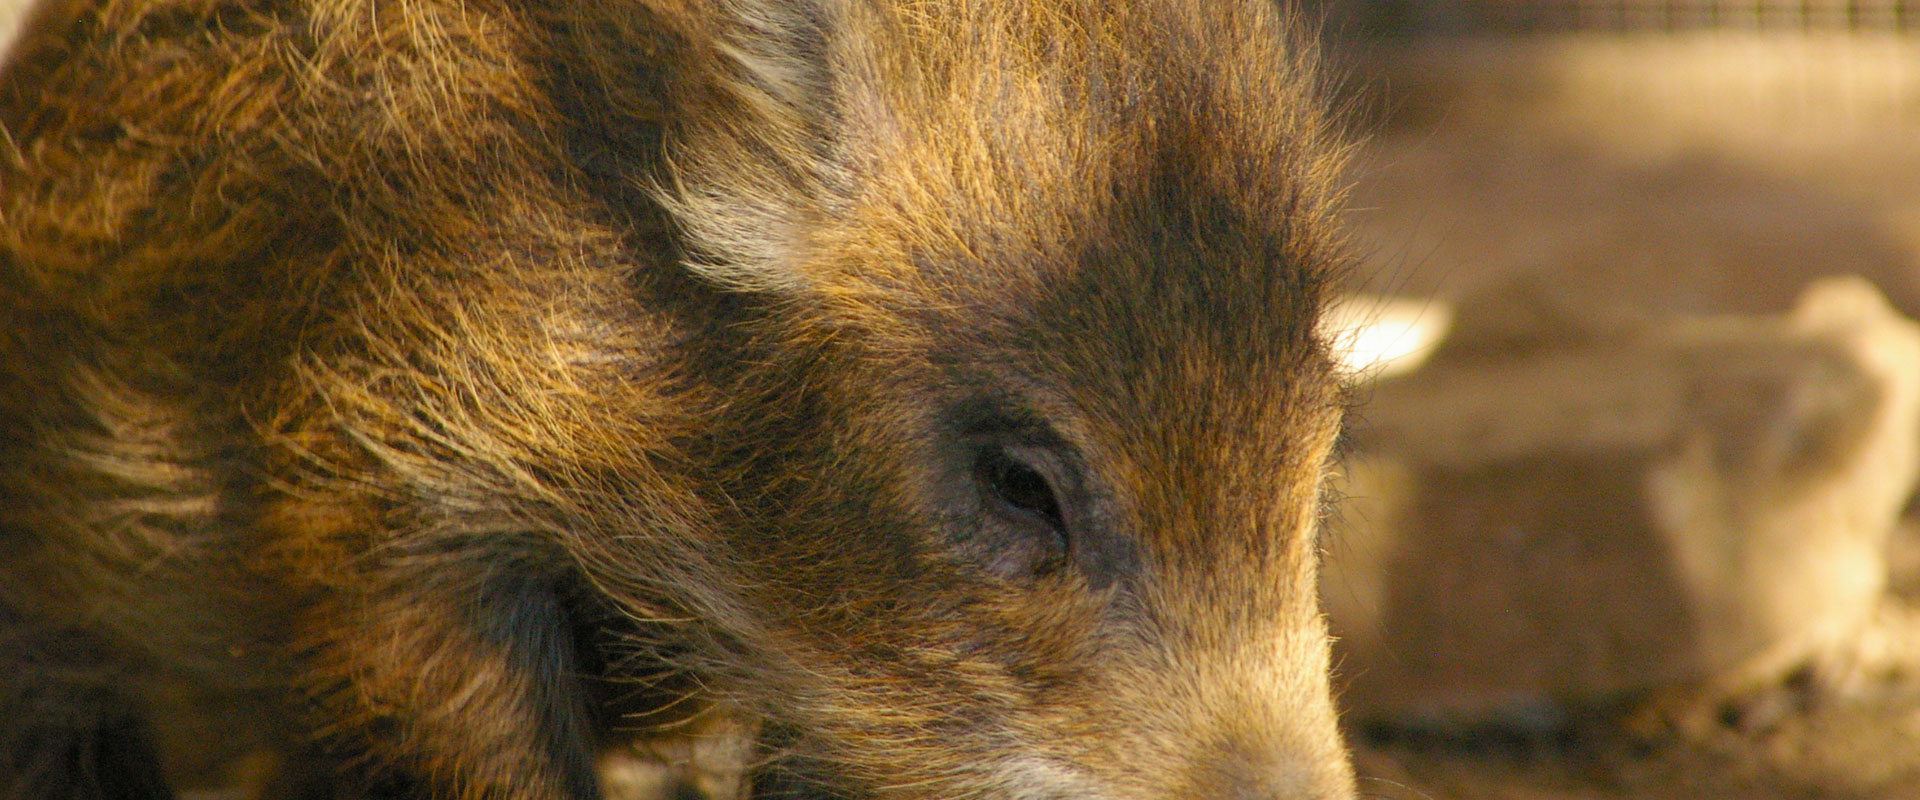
(424, 391)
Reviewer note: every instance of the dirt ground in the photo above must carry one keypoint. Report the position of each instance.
(1799, 740)
(1696, 174)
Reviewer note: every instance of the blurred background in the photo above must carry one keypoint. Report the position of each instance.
(1690, 155)
(1630, 516)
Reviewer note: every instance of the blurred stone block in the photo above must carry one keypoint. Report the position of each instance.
(1561, 509)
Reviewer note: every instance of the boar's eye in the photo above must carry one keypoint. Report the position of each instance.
(1021, 487)
(1021, 494)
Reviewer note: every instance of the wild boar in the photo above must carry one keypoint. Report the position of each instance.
(428, 393)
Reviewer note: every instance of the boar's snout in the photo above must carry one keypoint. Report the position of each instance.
(1254, 776)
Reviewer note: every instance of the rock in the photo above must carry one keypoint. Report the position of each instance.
(1581, 506)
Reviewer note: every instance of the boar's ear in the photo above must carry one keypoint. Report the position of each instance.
(729, 106)
(746, 179)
